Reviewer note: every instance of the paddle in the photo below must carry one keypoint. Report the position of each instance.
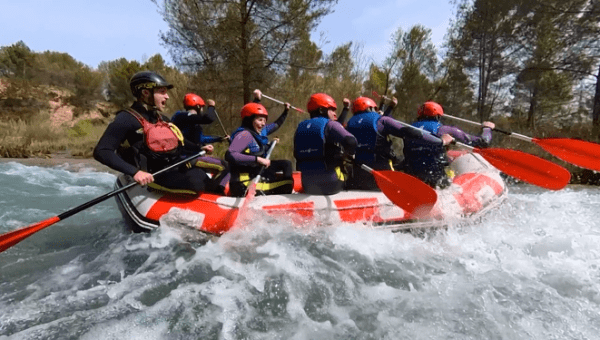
(11, 238)
(575, 151)
(408, 192)
(526, 167)
(221, 123)
(280, 102)
(251, 190)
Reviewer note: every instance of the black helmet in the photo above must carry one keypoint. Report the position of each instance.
(147, 80)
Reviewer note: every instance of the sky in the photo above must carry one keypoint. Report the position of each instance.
(96, 31)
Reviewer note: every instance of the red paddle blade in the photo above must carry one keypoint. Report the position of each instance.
(579, 152)
(406, 191)
(527, 167)
(11, 238)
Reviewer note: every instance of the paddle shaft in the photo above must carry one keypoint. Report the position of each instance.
(252, 186)
(282, 103)
(221, 123)
(512, 134)
(251, 190)
(380, 95)
(11, 238)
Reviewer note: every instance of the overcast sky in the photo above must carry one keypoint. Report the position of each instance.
(95, 31)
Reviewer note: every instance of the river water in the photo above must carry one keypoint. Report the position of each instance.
(529, 270)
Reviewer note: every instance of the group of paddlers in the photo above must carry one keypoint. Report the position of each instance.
(328, 150)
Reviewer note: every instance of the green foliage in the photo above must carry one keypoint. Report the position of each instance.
(417, 69)
(455, 90)
(87, 84)
(117, 74)
(341, 77)
(238, 45)
(21, 100)
(16, 61)
(21, 139)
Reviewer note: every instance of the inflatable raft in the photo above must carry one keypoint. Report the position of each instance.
(476, 188)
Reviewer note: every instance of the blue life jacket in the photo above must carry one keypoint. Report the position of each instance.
(372, 146)
(423, 159)
(428, 125)
(309, 144)
(258, 147)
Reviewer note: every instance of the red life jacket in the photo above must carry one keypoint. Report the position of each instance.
(160, 137)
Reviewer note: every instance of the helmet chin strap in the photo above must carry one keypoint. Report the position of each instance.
(149, 104)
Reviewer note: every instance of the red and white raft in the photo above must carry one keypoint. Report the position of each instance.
(477, 187)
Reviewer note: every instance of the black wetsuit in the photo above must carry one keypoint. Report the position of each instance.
(191, 125)
(125, 127)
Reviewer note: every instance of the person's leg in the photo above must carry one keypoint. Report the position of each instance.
(218, 168)
(277, 178)
(282, 165)
(319, 183)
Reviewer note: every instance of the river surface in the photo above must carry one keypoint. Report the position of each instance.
(530, 269)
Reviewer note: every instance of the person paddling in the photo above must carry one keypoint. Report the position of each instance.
(321, 144)
(428, 162)
(155, 141)
(372, 132)
(247, 152)
(195, 115)
(190, 123)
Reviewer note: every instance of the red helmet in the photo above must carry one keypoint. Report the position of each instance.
(192, 100)
(362, 104)
(253, 109)
(430, 109)
(320, 100)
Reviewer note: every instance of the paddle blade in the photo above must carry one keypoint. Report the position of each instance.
(406, 191)
(579, 152)
(11, 238)
(527, 167)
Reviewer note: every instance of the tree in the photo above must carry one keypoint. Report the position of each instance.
(117, 74)
(380, 77)
(558, 49)
(484, 44)
(455, 91)
(417, 56)
(16, 61)
(238, 44)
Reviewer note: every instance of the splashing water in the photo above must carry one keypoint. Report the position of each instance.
(529, 270)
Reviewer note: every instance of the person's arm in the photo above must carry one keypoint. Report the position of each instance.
(344, 114)
(211, 139)
(190, 146)
(463, 137)
(271, 128)
(336, 133)
(240, 143)
(114, 135)
(197, 118)
(257, 96)
(389, 126)
(388, 111)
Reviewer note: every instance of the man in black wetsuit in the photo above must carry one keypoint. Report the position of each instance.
(150, 91)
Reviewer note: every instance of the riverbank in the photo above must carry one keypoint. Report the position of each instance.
(62, 161)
